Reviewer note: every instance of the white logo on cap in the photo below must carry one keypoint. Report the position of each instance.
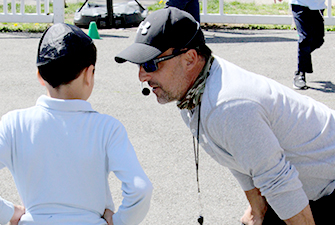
(144, 27)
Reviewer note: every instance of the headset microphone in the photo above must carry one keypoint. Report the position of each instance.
(145, 91)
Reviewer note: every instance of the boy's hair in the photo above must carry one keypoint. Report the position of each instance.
(68, 68)
(64, 52)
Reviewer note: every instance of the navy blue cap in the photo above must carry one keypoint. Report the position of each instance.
(61, 40)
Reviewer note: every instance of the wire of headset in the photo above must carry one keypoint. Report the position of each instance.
(196, 159)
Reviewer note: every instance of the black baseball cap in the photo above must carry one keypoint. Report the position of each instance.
(163, 29)
(61, 40)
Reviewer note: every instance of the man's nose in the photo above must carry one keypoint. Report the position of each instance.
(143, 75)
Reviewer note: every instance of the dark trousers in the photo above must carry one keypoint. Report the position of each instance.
(310, 27)
(322, 211)
(190, 6)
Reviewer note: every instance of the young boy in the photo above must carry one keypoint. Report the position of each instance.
(61, 151)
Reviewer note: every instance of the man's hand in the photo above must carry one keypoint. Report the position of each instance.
(108, 216)
(250, 218)
(255, 213)
(18, 212)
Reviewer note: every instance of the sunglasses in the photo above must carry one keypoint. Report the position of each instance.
(152, 65)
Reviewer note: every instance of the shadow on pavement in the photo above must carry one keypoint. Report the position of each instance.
(247, 39)
(20, 35)
(112, 36)
(326, 86)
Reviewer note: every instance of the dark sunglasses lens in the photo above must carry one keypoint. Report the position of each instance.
(149, 66)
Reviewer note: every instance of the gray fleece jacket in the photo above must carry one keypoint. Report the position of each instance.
(268, 135)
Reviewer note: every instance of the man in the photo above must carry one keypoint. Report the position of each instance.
(280, 145)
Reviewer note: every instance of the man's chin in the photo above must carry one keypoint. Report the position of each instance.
(163, 101)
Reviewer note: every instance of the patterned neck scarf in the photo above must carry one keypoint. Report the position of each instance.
(194, 94)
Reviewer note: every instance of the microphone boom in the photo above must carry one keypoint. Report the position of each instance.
(145, 91)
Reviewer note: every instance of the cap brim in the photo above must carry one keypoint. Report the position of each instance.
(137, 53)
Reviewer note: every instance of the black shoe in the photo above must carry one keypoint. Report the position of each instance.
(299, 81)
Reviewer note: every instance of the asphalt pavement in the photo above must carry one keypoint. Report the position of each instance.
(163, 143)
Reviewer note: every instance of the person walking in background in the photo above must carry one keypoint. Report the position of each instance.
(308, 18)
(190, 6)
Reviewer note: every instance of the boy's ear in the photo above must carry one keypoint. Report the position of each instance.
(40, 79)
(89, 74)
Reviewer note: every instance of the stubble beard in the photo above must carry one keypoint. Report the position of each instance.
(174, 94)
(165, 97)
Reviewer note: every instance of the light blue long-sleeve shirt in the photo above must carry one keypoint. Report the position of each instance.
(60, 153)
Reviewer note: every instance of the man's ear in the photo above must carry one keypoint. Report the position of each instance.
(191, 58)
(40, 79)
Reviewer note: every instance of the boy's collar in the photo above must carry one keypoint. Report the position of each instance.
(66, 105)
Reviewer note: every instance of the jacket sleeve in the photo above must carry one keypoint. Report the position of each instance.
(136, 187)
(242, 128)
(6, 207)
